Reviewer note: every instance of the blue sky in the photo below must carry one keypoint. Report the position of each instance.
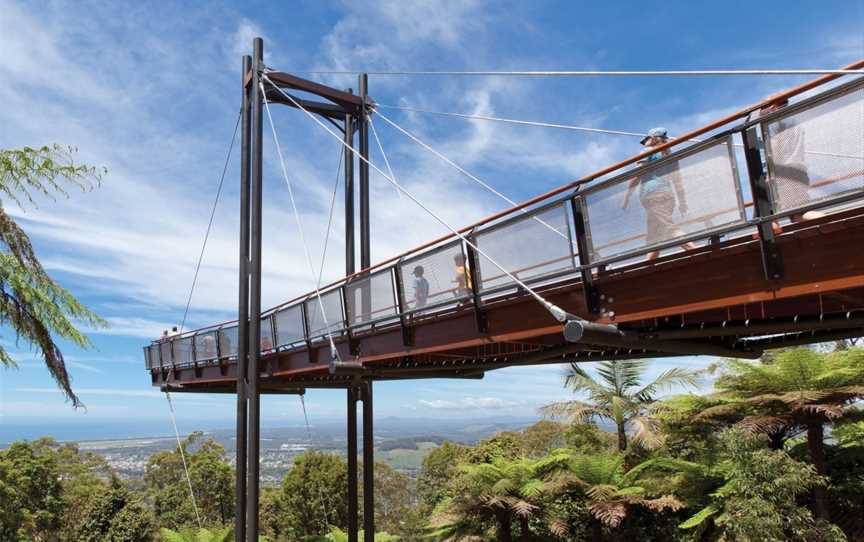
(150, 90)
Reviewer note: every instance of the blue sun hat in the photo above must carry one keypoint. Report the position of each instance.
(655, 132)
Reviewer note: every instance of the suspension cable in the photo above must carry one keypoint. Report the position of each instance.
(186, 313)
(513, 121)
(589, 73)
(456, 166)
(464, 171)
(559, 314)
(183, 457)
(383, 154)
(333, 352)
(210, 223)
(318, 484)
(330, 218)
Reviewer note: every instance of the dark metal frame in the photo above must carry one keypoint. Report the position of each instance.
(473, 271)
(590, 292)
(772, 258)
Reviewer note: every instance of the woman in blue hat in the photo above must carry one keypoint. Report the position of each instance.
(659, 192)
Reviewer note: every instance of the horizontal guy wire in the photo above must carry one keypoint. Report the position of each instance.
(590, 73)
(567, 126)
(559, 314)
(513, 121)
(330, 218)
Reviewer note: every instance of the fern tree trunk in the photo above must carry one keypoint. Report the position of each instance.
(596, 530)
(505, 527)
(524, 532)
(776, 440)
(816, 448)
(622, 438)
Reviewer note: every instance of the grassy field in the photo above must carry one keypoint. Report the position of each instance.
(406, 459)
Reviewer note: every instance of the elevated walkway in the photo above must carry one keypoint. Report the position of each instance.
(750, 239)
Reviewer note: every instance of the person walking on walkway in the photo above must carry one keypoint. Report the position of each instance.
(658, 193)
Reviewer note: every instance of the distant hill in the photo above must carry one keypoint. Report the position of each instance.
(409, 443)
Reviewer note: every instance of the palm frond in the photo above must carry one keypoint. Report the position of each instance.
(763, 423)
(646, 432)
(666, 502)
(699, 517)
(576, 411)
(676, 376)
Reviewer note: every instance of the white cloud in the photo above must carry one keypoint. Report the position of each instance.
(485, 403)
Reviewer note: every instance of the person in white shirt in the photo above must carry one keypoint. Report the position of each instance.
(791, 178)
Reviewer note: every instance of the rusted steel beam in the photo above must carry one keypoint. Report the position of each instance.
(761, 328)
(803, 338)
(329, 110)
(346, 100)
(589, 333)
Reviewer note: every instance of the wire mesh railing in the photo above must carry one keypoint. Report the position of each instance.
(812, 152)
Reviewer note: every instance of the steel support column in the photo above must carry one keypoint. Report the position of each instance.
(353, 478)
(254, 339)
(368, 466)
(350, 253)
(242, 316)
(363, 128)
(350, 268)
(365, 228)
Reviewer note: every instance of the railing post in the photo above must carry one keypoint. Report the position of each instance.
(474, 278)
(304, 311)
(772, 258)
(583, 250)
(352, 344)
(401, 307)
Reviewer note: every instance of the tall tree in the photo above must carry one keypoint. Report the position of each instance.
(757, 498)
(32, 504)
(797, 391)
(395, 498)
(315, 495)
(212, 481)
(438, 468)
(619, 396)
(115, 515)
(36, 307)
